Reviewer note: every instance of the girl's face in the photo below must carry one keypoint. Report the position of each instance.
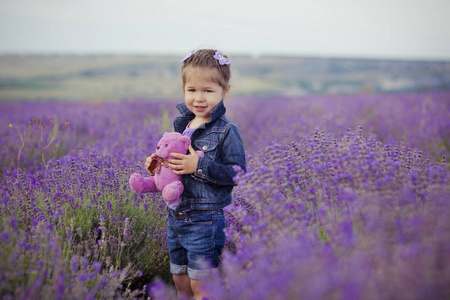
(201, 92)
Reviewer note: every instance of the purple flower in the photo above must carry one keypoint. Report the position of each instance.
(13, 222)
(6, 237)
(83, 277)
(60, 286)
(74, 266)
(96, 266)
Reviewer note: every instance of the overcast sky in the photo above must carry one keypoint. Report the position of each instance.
(406, 29)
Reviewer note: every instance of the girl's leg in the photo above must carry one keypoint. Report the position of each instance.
(195, 286)
(183, 285)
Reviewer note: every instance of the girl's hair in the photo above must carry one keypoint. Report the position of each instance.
(204, 58)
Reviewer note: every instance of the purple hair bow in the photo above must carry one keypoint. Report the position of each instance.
(222, 60)
(189, 55)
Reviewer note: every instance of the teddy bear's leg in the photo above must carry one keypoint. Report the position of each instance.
(172, 191)
(141, 184)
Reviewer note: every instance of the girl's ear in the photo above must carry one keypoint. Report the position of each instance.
(186, 141)
(225, 92)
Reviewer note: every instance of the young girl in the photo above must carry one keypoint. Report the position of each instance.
(195, 228)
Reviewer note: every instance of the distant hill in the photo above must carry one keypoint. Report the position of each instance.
(119, 76)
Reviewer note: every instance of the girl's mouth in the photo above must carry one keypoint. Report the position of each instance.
(200, 108)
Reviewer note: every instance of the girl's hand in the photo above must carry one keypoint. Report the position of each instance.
(184, 164)
(149, 160)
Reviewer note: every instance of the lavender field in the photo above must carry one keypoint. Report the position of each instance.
(346, 197)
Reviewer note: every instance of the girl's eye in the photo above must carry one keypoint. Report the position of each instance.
(208, 91)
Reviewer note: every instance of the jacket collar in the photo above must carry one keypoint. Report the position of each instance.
(216, 113)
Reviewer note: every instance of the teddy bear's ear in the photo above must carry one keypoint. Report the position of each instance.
(186, 141)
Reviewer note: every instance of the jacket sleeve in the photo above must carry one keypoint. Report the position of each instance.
(232, 153)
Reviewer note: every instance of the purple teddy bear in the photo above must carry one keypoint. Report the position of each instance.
(163, 179)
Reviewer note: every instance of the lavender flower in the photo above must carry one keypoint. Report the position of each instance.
(322, 211)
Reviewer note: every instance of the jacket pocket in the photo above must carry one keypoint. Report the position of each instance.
(208, 147)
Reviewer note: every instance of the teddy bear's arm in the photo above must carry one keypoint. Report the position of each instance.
(141, 184)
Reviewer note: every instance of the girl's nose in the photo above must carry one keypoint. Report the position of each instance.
(199, 101)
(198, 97)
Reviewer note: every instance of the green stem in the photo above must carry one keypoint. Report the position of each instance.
(23, 145)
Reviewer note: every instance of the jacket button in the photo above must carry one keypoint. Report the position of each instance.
(200, 171)
(205, 148)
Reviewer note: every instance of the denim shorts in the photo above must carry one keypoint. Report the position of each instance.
(195, 240)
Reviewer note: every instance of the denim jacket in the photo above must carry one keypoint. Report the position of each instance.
(210, 187)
